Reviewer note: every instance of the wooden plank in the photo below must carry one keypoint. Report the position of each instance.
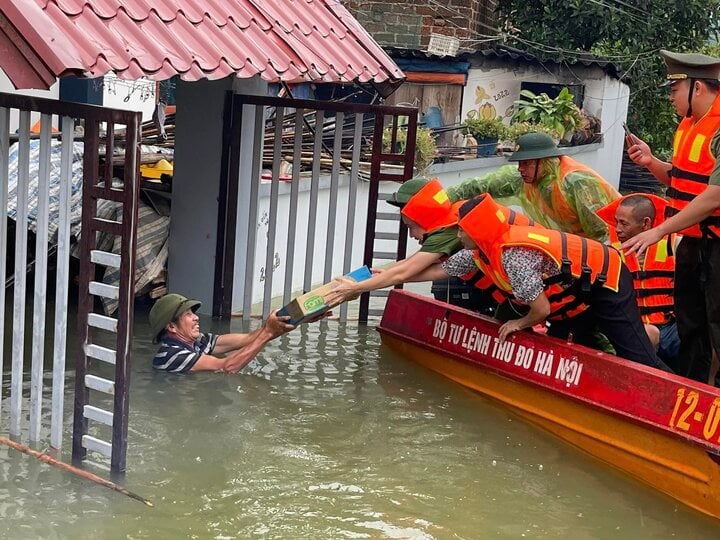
(97, 445)
(99, 384)
(104, 290)
(422, 77)
(40, 291)
(4, 156)
(105, 258)
(101, 321)
(62, 284)
(121, 405)
(20, 284)
(101, 353)
(99, 415)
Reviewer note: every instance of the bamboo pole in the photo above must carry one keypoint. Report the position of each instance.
(45, 458)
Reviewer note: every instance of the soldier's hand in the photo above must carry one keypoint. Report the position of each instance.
(639, 152)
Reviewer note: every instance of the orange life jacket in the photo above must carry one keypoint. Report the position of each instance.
(692, 164)
(480, 276)
(431, 208)
(655, 278)
(558, 209)
(583, 263)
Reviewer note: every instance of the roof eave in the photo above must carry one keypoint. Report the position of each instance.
(21, 64)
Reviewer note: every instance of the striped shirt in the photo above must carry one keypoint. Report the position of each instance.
(177, 356)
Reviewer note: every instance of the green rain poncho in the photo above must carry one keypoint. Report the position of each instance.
(567, 204)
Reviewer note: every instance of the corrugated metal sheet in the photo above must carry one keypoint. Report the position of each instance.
(507, 52)
(281, 40)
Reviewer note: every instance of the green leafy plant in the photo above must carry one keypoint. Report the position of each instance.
(481, 128)
(624, 33)
(425, 146)
(560, 114)
(521, 128)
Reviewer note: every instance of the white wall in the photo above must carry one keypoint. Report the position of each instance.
(455, 172)
(196, 184)
(496, 88)
(300, 241)
(140, 95)
(7, 86)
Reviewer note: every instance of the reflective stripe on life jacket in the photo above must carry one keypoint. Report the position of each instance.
(654, 280)
(480, 276)
(558, 208)
(584, 264)
(431, 208)
(692, 164)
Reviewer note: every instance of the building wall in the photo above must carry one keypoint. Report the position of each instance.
(494, 85)
(196, 186)
(409, 23)
(129, 95)
(448, 173)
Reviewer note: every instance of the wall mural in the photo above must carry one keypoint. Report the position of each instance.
(490, 97)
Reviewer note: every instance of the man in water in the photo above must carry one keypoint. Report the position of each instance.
(183, 348)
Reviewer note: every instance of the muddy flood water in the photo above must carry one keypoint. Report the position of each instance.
(328, 434)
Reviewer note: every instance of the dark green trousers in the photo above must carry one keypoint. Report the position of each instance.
(697, 305)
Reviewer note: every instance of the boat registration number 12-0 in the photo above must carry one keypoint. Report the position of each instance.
(686, 414)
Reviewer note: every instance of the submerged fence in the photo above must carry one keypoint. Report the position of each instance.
(49, 181)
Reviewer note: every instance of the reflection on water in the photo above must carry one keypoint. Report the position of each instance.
(329, 435)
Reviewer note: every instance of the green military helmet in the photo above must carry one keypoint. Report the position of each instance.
(406, 192)
(535, 146)
(682, 66)
(168, 308)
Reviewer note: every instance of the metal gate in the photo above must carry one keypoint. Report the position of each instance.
(315, 171)
(45, 197)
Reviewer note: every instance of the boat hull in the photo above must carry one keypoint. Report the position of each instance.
(597, 414)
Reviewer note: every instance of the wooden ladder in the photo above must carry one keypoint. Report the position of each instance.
(90, 365)
(377, 175)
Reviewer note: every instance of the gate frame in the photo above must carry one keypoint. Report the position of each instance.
(230, 179)
(128, 196)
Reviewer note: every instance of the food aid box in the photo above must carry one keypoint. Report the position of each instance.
(311, 304)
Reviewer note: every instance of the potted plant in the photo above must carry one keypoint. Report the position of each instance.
(486, 133)
(425, 146)
(514, 131)
(560, 114)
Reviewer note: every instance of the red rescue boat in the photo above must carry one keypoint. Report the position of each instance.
(662, 429)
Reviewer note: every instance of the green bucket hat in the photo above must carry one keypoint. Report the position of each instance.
(406, 191)
(535, 146)
(166, 309)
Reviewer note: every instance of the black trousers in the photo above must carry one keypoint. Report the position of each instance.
(697, 305)
(616, 314)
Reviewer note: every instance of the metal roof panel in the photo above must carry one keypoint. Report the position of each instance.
(283, 40)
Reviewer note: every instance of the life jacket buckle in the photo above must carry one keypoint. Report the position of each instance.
(585, 276)
(566, 271)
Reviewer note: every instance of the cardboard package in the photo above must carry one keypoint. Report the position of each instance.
(311, 304)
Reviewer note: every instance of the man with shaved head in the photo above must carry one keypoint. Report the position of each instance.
(653, 271)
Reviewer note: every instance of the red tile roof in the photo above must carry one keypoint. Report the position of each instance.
(281, 40)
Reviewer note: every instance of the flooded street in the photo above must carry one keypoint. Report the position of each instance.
(330, 435)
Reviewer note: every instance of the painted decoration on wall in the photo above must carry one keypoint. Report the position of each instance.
(490, 95)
